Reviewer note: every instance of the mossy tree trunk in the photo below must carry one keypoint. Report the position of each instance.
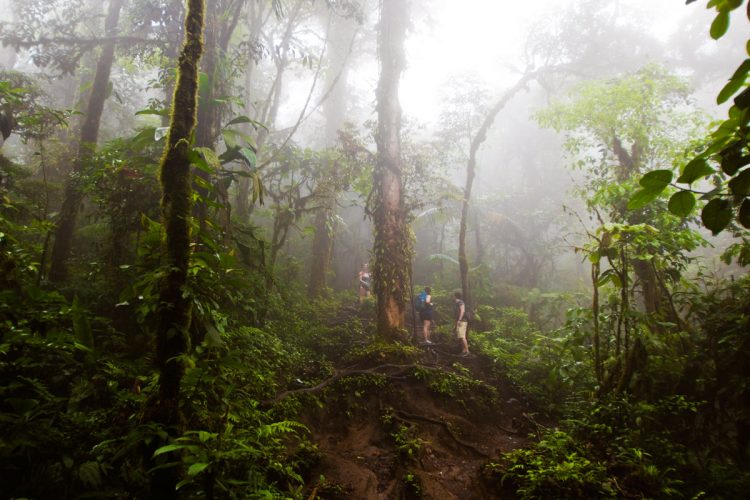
(322, 248)
(174, 310)
(392, 246)
(73, 196)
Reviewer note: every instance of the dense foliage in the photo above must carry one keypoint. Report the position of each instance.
(609, 340)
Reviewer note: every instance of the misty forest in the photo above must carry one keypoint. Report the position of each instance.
(392, 249)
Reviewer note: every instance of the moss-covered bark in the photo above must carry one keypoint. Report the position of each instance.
(174, 305)
(392, 246)
(322, 249)
(87, 143)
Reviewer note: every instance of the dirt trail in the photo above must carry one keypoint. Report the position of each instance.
(451, 440)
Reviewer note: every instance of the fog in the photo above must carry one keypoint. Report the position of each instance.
(304, 71)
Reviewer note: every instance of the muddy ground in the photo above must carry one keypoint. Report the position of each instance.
(404, 439)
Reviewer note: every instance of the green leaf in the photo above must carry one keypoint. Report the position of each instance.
(231, 138)
(644, 196)
(656, 179)
(196, 468)
(740, 185)
(744, 215)
(737, 80)
(720, 25)
(609, 276)
(208, 154)
(696, 169)
(716, 215)
(249, 156)
(168, 448)
(245, 119)
(733, 161)
(90, 474)
(682, 203)
(730, 89)
(742, 101)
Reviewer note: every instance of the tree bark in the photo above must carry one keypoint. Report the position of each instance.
(322, 249)
(174, 306)
(392, 247)
(595, 268)
(73, 196)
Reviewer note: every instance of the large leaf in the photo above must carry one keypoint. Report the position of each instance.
(245, 119)
(170, 447)
(210, 156)
(656, 179)
(682, 203)
(196, 468)
(160, 112)
(720, 24)
(249, 156)
(740, 185)
(644, 196)
(735, 83)
(716, 215)
(733, 159)
(695, 170)
(744, 215)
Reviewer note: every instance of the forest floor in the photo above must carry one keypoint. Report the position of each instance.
(427, 434)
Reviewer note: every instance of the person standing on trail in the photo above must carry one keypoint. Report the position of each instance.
(426, 312)
(364, 283)
(462, 322)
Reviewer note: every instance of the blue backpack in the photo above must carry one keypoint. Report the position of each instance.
(420, 302)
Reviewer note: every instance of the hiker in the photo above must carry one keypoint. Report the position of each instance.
(364, 283)
(462, 322)
(426, 312)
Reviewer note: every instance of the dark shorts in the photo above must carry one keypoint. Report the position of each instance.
(426, 315)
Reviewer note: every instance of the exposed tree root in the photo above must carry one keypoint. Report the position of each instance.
(410, 417)
(399, 369)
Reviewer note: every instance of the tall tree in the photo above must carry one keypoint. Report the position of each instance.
(175, 306)
(334, 109)
(222, 18)
(392, 247)
(87, 145)
(471, 167)
(635, 123)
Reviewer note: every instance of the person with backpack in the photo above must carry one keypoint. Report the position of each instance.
(423, 305)
(462, 322)
(364, 283)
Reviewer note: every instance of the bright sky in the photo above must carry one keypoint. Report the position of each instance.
(487, 36)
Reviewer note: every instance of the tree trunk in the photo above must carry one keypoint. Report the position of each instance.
(471, 166)
(322, 249)
(73, 196)
(174, 311)
(267, 115)
(254, 22)
(595, 268)
(220, 23)
(392, 247)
